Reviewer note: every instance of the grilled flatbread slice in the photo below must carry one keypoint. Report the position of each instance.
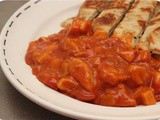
(111, 15)
(157, 8)
(135, 21)
(150, 40)
(88, 11)
(154, 45)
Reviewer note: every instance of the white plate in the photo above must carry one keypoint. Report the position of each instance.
(42, 18)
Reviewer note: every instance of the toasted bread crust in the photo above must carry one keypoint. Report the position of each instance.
(150, 40)
(135, 21)
(111, 15)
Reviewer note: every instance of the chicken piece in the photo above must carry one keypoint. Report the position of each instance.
(82, 73)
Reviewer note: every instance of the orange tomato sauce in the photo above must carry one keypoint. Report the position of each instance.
(94, 68)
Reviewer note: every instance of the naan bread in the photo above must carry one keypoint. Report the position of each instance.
(111, 15)
(135, 21)
(150, 40)
(88, 11)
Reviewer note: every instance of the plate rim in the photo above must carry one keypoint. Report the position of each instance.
(35, 98)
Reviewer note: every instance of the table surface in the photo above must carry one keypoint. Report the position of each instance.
(13, 105)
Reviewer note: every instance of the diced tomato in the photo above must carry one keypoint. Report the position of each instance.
(74, 29)
(128, 56)
(55, 64)
(144, 95)
(80, 27)
(138, 74)
(85, 26)
(148, 98)
(111, 75)
(156, 82)
(108, 99)
(43, 58)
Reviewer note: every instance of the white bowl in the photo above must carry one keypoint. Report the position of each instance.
(41, 18)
